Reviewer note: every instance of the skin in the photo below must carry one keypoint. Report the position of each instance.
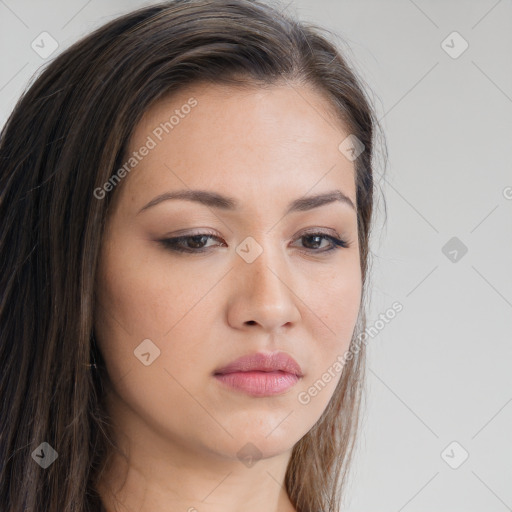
(181, 427)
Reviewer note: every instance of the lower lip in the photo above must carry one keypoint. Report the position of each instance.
(259, 383)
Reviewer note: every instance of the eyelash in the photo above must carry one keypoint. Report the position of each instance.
(173, 243)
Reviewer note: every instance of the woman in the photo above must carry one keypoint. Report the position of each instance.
(186, 203)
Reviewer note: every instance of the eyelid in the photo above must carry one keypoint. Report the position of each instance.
(316, 230)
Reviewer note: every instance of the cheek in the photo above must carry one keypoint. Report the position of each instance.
(335, 299)
(334, 306)
(138, 301)
(144, 298)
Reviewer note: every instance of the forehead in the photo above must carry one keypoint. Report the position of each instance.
(281, 141)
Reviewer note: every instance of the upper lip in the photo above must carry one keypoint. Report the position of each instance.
(263, 362)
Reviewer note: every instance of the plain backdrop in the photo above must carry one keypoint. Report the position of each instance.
(438, 410)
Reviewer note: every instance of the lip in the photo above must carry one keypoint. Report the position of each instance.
(263, 362)
(261, 374)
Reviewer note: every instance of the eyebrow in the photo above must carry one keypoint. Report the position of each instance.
(215, 200)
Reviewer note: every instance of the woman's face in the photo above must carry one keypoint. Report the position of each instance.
(261, 280)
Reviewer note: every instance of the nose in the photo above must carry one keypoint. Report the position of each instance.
(263, 294)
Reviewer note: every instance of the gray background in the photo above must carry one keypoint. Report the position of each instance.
(440, 371)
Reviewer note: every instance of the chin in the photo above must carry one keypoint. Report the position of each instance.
(258, 441)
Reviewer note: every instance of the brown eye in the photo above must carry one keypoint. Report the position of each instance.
(316, 239)
(189, 243)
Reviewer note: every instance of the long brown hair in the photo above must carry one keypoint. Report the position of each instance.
(65, 138)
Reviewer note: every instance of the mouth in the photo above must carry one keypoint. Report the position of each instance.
(260, 374)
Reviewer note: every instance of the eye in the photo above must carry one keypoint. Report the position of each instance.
(189, 243)
(195, 243)
(316, 239)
